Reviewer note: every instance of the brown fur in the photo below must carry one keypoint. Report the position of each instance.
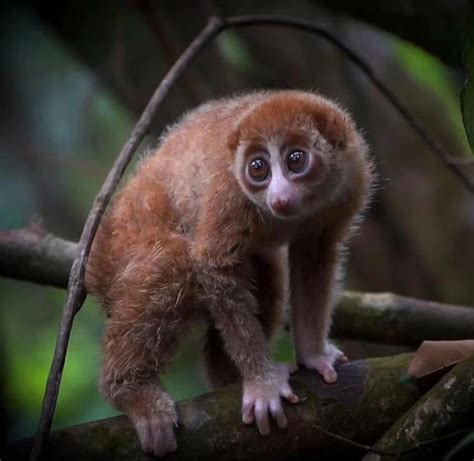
(184, 240)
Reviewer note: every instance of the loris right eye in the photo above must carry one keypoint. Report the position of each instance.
(258, 169)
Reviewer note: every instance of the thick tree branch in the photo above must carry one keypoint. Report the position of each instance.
(365, 401)
(34, 255)
(394, 319)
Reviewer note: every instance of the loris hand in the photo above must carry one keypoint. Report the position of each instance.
(324, 362)
(263, 395)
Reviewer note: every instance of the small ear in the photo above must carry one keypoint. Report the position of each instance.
(233, 139)
(332, 125)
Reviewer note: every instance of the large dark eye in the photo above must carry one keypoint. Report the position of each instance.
(258, 169)
(297, 161)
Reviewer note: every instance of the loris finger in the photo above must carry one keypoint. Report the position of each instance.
(261, 417)
(278, 414)
(288, 394)
(248, 415)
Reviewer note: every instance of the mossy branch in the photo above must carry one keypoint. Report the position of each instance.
(447, 407)
(367, 399)
(32, 254)
(393, 319)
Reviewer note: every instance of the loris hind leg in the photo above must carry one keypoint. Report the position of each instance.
(146, 316)
(269, 283)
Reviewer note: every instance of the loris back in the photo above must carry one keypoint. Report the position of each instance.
(167, 188)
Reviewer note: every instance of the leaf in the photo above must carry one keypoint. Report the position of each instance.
(433, 357)
(467, 93)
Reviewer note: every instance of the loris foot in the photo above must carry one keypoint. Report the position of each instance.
(263, 396)
(155, 427)
(324, 363)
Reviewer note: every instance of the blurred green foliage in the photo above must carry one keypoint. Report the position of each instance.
(68, 116)
(238, 56)
(432, 73)
(70, 119)
(467, 94)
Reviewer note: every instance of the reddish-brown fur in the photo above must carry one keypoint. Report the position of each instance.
(182, 242)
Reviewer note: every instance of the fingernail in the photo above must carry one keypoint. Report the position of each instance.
(294, 399)
(283, 424)
(330, 376)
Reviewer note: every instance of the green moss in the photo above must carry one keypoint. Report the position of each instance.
(442, 409)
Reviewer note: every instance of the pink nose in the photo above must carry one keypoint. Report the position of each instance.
(281, 204)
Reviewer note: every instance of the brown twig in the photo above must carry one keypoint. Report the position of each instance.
(465, 161)
(76, 290)
(244, 21)
(213, 8)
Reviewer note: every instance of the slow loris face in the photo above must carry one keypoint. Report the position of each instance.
(292, 165)
(281, 177)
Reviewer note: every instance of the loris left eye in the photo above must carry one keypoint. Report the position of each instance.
(258, 170)
(297, 161)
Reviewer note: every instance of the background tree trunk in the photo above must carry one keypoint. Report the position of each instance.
(34, 255)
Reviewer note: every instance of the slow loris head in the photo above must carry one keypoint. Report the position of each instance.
(294, 153)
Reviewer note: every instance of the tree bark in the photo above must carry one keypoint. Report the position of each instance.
(369, 396)
(447, 407)
(388, 318)
(34, 255)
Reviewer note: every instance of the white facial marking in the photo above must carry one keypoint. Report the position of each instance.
(281, 195)
(280, 189)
